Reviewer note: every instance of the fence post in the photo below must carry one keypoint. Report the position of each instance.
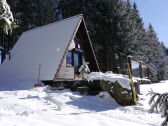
(118, 70)
(129, 58)
(134, 94)
(148, 72)
(140, 69)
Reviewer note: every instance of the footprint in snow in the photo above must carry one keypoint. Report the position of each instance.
(45, 110)
(25, 113)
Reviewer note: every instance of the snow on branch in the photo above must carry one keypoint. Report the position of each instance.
(6, 16)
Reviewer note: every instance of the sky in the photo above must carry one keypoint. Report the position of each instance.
(156, 13)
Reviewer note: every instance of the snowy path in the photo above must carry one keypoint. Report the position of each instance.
(44, 107)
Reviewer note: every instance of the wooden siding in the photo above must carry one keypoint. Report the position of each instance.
(66, 72)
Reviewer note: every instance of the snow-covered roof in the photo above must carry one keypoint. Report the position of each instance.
(44, 45)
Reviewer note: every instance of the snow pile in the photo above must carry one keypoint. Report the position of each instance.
(47, 107)
(122, 79)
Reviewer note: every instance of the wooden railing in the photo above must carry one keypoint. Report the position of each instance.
(137, 68)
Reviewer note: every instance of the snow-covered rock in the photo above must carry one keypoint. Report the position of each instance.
(122, 79)
(123, 96)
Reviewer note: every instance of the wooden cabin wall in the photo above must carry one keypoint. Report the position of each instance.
(66, 72)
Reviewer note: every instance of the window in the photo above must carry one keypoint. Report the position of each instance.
(83, 60)
(76, 59)
(69, 58)
(77, 42)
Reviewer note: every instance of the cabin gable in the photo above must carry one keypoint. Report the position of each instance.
(78, 52)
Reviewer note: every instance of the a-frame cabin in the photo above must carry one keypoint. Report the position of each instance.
(60, 48)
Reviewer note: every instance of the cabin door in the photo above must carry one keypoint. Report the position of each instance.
(78, 62)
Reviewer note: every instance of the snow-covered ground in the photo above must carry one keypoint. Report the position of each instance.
(45, 107)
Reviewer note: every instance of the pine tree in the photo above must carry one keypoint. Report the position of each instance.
(35, 13)
(162, 70)
(30, 14)
(140, 33)
(159, 103)
(154, 43)
(6, 21)
(156, 53)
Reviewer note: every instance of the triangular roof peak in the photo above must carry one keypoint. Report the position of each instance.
(80, 16)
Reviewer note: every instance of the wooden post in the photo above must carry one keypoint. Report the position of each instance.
(118, 70)
(134, 94)
(148, 72)
(3, 50)
(140, 69)
(9, 42)
(129, 58)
